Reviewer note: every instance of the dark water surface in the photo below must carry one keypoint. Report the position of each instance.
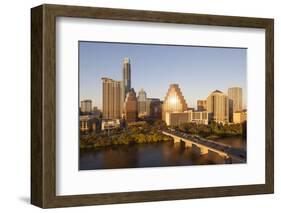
(147, 155)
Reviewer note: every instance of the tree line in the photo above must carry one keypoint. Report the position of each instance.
(213, 129)
(136, 134)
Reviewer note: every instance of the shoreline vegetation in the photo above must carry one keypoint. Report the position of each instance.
(214, 130)
(137, 134)
(150, 132)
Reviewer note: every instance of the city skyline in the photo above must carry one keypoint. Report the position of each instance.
(150, 62)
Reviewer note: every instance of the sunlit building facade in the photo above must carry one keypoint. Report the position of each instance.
(131, 106)
(111, 98)
(177, 118)
(240, 116)
(190, 116)
(235, 101)
(217, 106)
(173, 101)
(200, 117)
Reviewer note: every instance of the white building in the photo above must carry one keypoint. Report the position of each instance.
(109, 124)
(190, 116)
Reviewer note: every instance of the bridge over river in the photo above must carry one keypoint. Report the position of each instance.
(219, 152)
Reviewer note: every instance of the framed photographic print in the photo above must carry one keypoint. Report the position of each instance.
(136, 106)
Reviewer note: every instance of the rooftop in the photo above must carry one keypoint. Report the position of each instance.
(217, 91)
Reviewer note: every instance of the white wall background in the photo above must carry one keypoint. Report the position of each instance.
(15, 104)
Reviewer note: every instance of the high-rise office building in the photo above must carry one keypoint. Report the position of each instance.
(235, 101)
(142, 103)
(131, 106)
(111, 98)
(217, 106)
(154, 108)
(173, 101)
(126, 77)
(201, 105)
(86, 106)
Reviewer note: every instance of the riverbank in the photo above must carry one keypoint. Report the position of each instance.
(152, 133)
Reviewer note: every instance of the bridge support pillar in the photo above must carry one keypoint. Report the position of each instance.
(203, 150)
(177, 140)
(199, 150)
(187, 144)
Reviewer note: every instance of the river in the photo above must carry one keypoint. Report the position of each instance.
(147, 155)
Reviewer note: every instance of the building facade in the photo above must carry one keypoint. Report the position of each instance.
(111, 98)
(201, 105)
(149, 107)
(217, 106)
(109, 124)
(142, 104)
(154, 108)
(190, 116)
(86, 106)
(177, 118)
(89, 123)
(173, 101)
(239, 116)
(126, 84)
(131, 107)
(200, 117)
(235, 101)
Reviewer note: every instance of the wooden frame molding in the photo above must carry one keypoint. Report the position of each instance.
(43, 105)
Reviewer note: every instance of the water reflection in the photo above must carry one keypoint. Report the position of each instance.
(136, 156)
(148, 155)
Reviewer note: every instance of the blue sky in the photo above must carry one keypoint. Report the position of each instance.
(197, 70)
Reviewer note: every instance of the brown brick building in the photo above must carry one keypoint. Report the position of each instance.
(131, 106)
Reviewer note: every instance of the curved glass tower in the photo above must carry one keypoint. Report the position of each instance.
(174, 101)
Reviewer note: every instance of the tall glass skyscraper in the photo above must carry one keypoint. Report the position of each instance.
(126, 77)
